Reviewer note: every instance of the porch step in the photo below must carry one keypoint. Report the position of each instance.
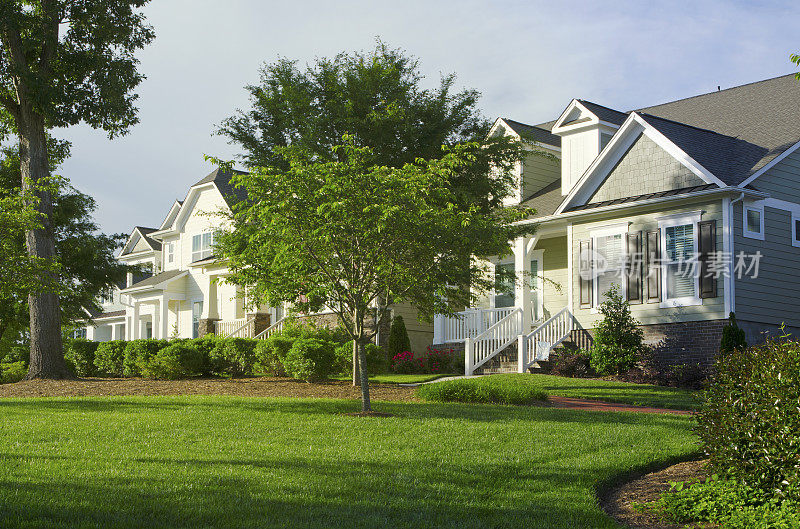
(503, 362)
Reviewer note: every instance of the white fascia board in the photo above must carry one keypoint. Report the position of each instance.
(559, 127)
(128, 242)
(185, 211)
(508, 131)
(157, 286)
(771, 164)
(170, 218)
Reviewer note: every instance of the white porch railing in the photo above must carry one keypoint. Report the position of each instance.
(272, 329)
(239, 328)
(536, 346)
(467, 324)
(484, 346)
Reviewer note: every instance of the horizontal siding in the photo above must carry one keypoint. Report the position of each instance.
(555, 274)
(783, 180)
(772, 296)
(651, 313)
(420, 333)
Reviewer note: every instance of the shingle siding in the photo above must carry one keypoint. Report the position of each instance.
(645, 168)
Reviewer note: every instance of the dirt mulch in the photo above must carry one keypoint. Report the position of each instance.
(596, 405)
(241, 387)
(618, 502)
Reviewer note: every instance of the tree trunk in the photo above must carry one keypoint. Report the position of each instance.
(356, 377)
(47, 353)
(361, 357)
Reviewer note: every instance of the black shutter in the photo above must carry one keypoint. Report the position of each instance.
(585, 273)
(633, 274)
(707, 244)
(653, 266)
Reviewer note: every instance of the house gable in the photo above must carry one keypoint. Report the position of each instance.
(645, 168)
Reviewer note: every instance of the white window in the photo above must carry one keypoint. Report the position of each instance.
(680, 263)
(202, 246)
(537, 284)
(504, 285)
(796, 229)
(753, 222)
(197, 312)
(170, 252)
(608, 261)
(107, 296)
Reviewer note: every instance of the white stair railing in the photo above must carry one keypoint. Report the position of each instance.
(469, 323)
(536, 346)
(272, 329)
(484, 346)
(239, 328)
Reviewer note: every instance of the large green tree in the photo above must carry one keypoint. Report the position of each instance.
(63, 62)
(348, 235)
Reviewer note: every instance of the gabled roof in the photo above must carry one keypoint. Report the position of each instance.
(538, 133)
(157, 280)
(222, 180)
(140, 232)
(606, 114)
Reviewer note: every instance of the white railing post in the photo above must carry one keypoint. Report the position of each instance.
(468, 356)
(521, 356)
(438, 329)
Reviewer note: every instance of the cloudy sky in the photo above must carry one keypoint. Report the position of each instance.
(527, 58)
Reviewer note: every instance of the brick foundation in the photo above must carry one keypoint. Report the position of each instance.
(206, 326)
(261, 322)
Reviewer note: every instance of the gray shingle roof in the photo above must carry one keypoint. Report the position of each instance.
(761, 120)
(604, 113)
(222, 179)
(669, 193)
(154, 244)
(537, 133)
(157, 279)
(546, 200)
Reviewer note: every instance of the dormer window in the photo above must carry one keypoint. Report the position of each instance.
(202, 246)
(753, 222)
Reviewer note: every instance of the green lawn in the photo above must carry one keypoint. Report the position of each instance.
(393, 378)
(247, 462)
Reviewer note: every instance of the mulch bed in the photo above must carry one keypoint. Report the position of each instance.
(618, 502)
(596, 405)
(240, 387)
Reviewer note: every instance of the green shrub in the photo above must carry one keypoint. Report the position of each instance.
(571, 363)
(727, 502)
(233, 356)
(138, 353)
(13, 372)
(398, 340)
(18, 353)
(179, 360)
(733, 337)
(110, 357)
(270, 354)
(79, 354)
(206, 345)
(618, 341)
(309, 359)
(496, 389)
(749, 423)
(377, 362)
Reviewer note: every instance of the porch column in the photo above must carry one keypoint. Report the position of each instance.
(438, 329)
(90, 333)
(163, 327)
(115, 334)
(136, 324)
(522, 286)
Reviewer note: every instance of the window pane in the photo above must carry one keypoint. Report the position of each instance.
(680, 243)
(504, 286)
(196, 241)
(206, 241)
(797, 230)
(680, 281)
(753, 221)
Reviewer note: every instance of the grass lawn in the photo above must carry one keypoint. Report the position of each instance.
(393, 378)
(613, 391)
(248, 462)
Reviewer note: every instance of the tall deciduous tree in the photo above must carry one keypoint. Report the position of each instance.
(63, 62)
(346, 233)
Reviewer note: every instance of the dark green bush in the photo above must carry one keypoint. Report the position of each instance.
(79, 354)
(138, 353)
(618, 341)
(110, 357)
(181, 359)
(206, 345)
(377, 362)
(310, 359)
(750, 424)
(571, 363)
(13, 372)
(233, 356)
(733, 337)
(270, 354)
(495, 389)
(398, 340)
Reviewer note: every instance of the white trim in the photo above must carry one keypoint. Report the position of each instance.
(795, 216)
(759, 208)
(569, 267)
(669, 221)
(777, 203)
(538, 281)
(608, 231)
(727, 249)
(771, 164)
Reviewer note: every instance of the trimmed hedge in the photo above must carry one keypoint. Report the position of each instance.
(180, 360)
(109, 358)
(138, 353)
(310, 359)
(233, 356)
(79, 354)
(270, 354)
(495, 389)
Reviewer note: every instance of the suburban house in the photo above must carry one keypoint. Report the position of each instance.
(180, 292)
(691, 208)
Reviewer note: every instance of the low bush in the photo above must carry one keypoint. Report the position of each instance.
(496, 389)
(13, 372)
(138, 353)
(432, 361)
(79, 355)
(377, 363)
(181, 359)
(618, 341)
(109, 358)
(749, 424)
(270, 353)
(234, 357)
(571, 363)
(733, 336)
(727, 502)
(310, 359)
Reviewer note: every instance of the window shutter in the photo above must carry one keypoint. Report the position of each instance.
(653, 266)
(585, 273)
(707, 246)
(633, 274)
